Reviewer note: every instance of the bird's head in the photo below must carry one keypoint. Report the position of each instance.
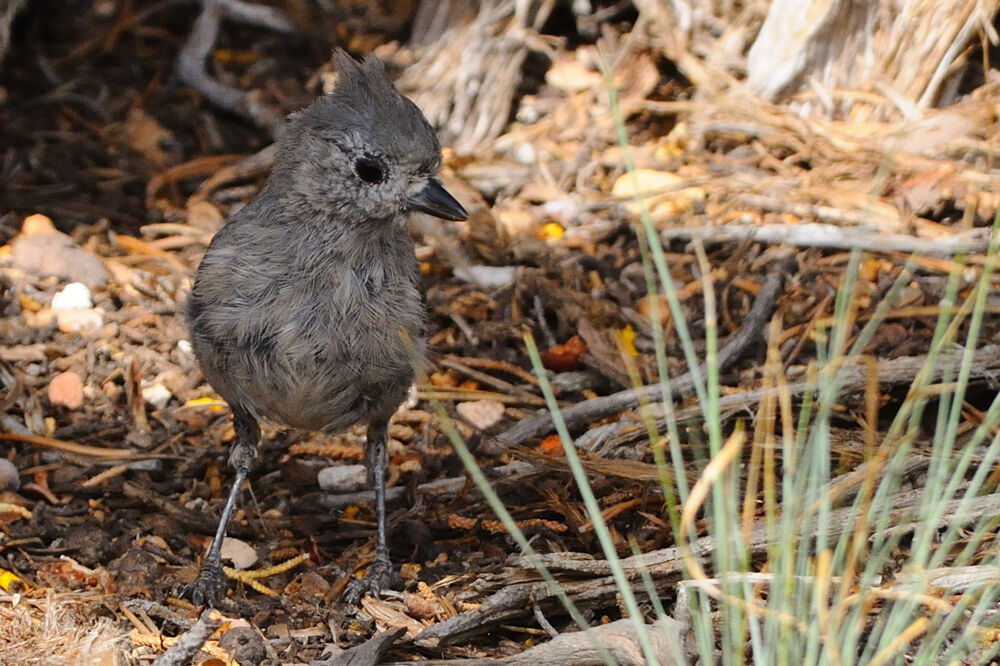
(364, 152)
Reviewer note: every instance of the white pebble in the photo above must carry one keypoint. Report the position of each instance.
(185, 346)
(77, 320)
(157, 395)
(74, 296)
(343, 478)
(525, 154)
(487, 276)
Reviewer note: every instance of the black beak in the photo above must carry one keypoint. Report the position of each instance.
(435, 200)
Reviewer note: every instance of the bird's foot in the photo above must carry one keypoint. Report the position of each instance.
(380, 576)
(209, 588)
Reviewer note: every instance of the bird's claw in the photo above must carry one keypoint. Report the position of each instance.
(209, 588)
(380, 576)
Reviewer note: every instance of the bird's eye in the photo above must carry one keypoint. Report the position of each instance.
(369, 170)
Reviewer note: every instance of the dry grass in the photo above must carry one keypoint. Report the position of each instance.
(59, 630)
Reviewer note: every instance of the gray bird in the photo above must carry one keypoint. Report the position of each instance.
(304, 304)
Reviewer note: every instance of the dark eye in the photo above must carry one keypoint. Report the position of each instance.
(369, 170)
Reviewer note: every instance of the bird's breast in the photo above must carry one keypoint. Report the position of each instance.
(342, 353)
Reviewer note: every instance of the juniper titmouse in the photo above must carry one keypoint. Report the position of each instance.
(303, 304)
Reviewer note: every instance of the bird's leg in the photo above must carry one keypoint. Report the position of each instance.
(380, 573)
(210, 585)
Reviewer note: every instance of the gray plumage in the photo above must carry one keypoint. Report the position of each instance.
(303, 304)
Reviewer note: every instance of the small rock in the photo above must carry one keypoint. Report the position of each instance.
(244, 645)
(39, 319)
(157, 395)
(80, 321)
(10, 478)
(74, 296)
(525, 154)
(36, 224)
(56, 254)
(342, 478)
(240, 553)
(482, 414)
(66, 390)
(308, 585)
(491, 277)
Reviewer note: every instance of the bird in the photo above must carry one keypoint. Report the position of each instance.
(305, 309)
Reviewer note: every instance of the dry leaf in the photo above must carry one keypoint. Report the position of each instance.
(144, 134)
(564, 357)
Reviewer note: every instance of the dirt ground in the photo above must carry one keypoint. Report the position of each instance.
(119, 447)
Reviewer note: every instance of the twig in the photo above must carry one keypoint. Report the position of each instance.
(370, 652)
(833, 236)
(438, 488)
(852, 378)
(515, 599)
(83, 449)
(591, 410)
(498, 365)
(191, 59)
(575, 648)
(189, 643)
(495, 382)
(443, 394)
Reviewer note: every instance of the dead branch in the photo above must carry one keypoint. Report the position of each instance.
(836, 237)
(664, 565)
(191, 58)
(189, 643)
(371, 651)
(577, 649)
(591, 410)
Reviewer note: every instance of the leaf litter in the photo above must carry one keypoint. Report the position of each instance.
(121, 447)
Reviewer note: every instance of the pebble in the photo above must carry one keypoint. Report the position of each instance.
(308, 585)
(74, 309)
(80, 321)
(57, 255)
(244, 645)
(491, 277)
(342, 478)
(157, 395)
(10, 478)
(66, 390)
(482, 414)
(525, 154)
(74, 296)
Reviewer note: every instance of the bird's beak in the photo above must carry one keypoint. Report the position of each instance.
(435, 200)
